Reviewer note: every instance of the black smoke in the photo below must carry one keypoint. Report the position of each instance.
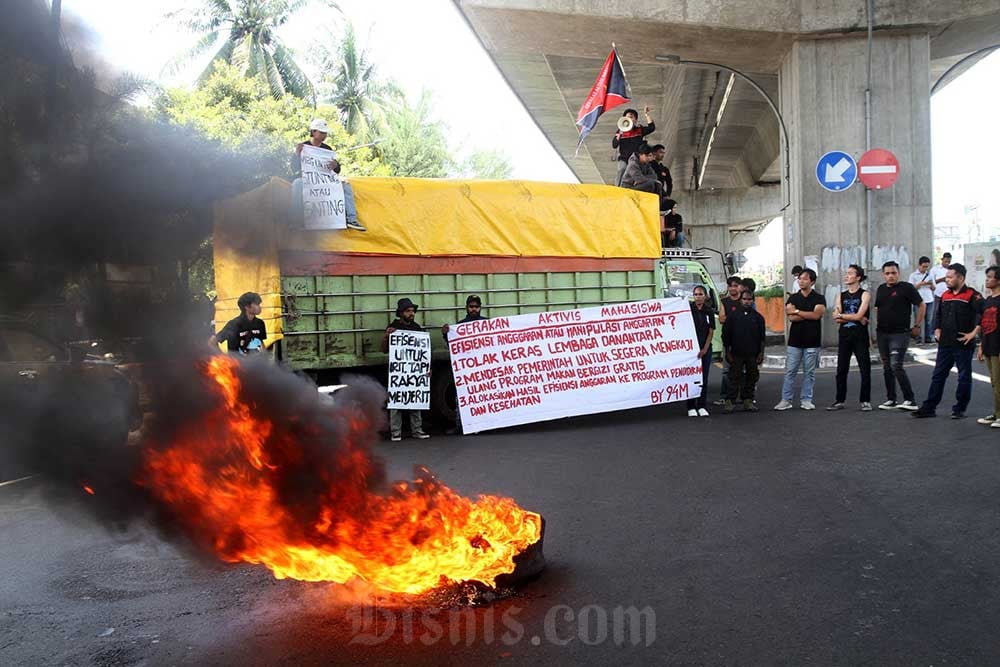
(88, 181)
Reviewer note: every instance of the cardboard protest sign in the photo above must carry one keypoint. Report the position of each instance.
(322, 191)
(540, 366)
(409, 370)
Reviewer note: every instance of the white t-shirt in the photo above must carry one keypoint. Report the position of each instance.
(926, 292)
(939, 271)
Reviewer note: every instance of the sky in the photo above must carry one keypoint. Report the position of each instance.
(428, 44)
(420, 44)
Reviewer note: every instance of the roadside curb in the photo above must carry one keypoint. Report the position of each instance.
(828, 358)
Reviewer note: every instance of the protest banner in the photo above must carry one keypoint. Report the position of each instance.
(409, 370)
(322, 191)
(540, 366)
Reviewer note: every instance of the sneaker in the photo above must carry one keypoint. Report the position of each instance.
(421, 436)
(989, 420)
(356, 226)
(958, 415)
(720, 401)
(454, 430)
(702, 412)
(396, 438)
(866, 407)
(783, 405)
(807, 405)
(836, 406)
(692, 413)
(995, 424)
(908, 405)
(750, 406)
(888, 405)
(728, 407)
(920, 413)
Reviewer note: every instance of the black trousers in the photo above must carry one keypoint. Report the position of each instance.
(743, 376)
(702, 401)
(853, 342)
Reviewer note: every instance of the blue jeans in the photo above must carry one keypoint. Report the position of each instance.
(350, 209)
(807, 358)
(927, 330)
(946, 358)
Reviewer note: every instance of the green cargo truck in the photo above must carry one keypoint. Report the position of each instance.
(332, 307)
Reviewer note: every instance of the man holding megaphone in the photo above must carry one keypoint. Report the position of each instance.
(629, 136)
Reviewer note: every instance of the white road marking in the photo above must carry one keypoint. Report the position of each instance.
(975, 376)
(15, 481)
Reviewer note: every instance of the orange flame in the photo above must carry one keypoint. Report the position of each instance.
(225, 479)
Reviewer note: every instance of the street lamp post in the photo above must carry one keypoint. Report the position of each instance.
(677, 60)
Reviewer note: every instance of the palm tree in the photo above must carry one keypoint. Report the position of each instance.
(354, 87)
(248, 31)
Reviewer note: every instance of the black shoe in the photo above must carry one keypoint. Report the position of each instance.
(921, 413)
(454, 430)
(958, 415)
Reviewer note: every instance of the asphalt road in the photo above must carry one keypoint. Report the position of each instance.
(775, 538)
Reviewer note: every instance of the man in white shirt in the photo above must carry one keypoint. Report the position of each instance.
(938, 275)
(922, 280)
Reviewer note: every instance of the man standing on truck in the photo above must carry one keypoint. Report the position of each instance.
(318, 129)
(245, 333)
(628, 143)
(473, 312)
(804, 310)
(406, 312)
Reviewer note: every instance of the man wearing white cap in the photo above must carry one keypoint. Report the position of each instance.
(318, 129)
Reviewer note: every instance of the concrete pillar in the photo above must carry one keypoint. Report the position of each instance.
(822, 87)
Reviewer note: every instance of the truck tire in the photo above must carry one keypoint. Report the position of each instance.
(443, 401)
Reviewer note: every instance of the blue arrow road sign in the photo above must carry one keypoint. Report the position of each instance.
(836, 171)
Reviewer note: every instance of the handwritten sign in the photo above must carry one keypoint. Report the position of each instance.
(535, 367)
(322, 191)
(409, 370)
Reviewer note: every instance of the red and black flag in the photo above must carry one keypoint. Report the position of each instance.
(609, 91)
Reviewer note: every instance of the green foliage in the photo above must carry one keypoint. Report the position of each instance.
(350, 82)
(771, 291)
(240, 114)
(244, 34)
(412, 143)
(486, 163)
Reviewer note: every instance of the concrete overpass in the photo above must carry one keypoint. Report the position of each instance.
(809, 55)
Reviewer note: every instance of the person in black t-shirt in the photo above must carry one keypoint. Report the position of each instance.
(851, 313)
(473, 312)
(744, 336)
(245, 333)
(662, 173)
(894, 302)
(406, 312)
(804, 310)
(704, 327)
(989, 345)
(628, 143)
(730, 305)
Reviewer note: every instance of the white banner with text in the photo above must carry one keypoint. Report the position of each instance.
(409, 370)
(322, 191)
(540, 366)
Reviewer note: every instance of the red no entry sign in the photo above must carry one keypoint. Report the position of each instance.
(878, 168)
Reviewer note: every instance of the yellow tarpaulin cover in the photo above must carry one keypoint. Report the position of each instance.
(412, 216)
(245, 248)
(415, 216)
